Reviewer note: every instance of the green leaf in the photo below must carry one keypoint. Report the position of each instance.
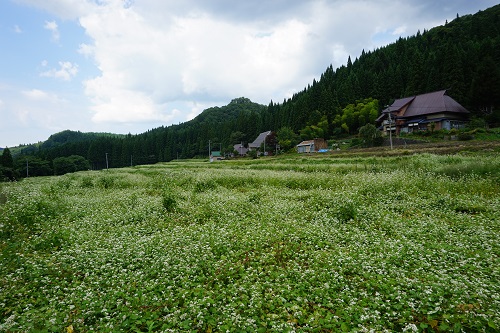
(444, 326)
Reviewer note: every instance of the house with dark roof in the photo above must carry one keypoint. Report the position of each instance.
(255, 145)
(434, 110)
(240, 148)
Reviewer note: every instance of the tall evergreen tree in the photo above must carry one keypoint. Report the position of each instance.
(7, 160)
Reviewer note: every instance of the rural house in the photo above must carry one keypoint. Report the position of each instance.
(311, 146)
(434, 110)
(255, 145)
(240, 148)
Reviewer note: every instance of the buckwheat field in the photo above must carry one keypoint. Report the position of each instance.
(293, 244)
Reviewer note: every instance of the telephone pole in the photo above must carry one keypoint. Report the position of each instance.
(390, 125)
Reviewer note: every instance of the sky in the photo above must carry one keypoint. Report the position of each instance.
(127, 66)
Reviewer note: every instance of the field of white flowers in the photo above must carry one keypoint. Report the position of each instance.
(271, 245)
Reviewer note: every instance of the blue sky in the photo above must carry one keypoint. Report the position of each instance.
(126, 66)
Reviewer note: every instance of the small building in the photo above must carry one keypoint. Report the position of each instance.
(216, 156)
(434, 110)
(311, 146)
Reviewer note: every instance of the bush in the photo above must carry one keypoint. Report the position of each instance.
(106, 181)
(168, 201)
(252, 154)
(465, 136)
(74, 163)
(370, 135)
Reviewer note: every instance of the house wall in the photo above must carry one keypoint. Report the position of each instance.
(320, 144)
(305, 148)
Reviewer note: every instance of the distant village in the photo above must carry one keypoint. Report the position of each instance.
(430, 111)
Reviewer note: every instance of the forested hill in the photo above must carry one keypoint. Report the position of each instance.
(184, 140)
(462, 56)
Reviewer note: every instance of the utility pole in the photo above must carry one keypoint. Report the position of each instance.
(130, 160)
(107, 165)
(27, 172)
(390, 126)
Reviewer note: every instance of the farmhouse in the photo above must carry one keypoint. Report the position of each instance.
(434, 110)
(255, 145)
(311, 146)
(240, 148)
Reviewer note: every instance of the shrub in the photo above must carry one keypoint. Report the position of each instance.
(205, 185)
(87, 182)
(168, 201)
(465, 136)
(106, 182)
(252, 154)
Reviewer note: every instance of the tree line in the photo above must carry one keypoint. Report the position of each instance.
(462, 56)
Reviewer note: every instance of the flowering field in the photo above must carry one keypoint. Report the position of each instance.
(271, 245)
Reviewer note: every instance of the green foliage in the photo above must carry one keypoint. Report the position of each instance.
(465, 136)
(357, 115)
(6, 159)
(106, 181)
(287, 139)
(74, 163)
(168, 201)
(7, 172)
(291, 243)
(370, 135)
(205, 185)
(252, 154)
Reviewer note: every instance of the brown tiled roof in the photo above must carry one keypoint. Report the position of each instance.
(430, 103)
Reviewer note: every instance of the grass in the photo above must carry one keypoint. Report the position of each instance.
(290, 244)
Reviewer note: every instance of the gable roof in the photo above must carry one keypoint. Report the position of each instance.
(240, 148)
(425, 104)
(258, 141)
(435, 102)
(216, 153)
(306, 143)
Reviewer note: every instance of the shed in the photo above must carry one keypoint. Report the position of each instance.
(311, 146)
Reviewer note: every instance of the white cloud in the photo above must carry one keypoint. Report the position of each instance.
(65, 9)
(401, 30)
(66, 71)
(191, 58)
(54, 29)
(38, 108)
(17, 29)
(42, 96)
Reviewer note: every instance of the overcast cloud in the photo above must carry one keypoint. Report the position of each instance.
(158, 62)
